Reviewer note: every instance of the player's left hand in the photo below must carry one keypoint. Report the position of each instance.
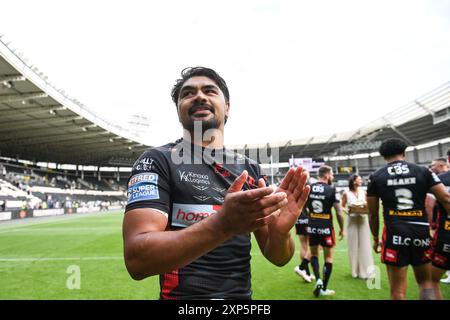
(297, 191)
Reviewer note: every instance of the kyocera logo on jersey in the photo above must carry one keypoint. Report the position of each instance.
(184, 215)
(391, 255)
(193, 177)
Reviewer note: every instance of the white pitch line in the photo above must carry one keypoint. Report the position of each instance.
(58, 259)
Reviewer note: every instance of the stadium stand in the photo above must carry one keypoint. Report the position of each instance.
(43, 124)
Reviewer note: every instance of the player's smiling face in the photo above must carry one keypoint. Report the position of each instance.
(200, 99)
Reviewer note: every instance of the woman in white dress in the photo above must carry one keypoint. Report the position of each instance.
(359, 247)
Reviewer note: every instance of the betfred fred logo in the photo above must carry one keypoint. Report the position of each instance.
(184, 215)
(391, 255)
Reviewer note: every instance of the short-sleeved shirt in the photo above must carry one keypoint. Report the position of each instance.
(188, 184)
(402, 187)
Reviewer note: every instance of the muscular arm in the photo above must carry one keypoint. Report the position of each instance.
(149, 250)
(430, 202)
(339, 216)
(442, 195)
(277, 248)
(274, 239)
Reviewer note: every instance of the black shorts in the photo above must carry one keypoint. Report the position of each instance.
(406, 244)
(301, 227)
(321, 236)
(440, 256)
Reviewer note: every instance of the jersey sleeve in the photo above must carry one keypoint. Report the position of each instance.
(337, 196)
(149, 183)
(372, 187)
(431, 178)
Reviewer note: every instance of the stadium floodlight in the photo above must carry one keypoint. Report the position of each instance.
(51, 111)
(84, 129)
(111, 140)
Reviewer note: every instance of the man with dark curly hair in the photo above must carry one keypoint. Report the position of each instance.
(402, 187)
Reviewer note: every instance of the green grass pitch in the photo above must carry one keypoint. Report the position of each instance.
(38, 256)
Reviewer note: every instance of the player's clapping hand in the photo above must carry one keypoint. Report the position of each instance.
(245, 211)
(297, 191)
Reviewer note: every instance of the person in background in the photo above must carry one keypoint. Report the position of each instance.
(359, 247)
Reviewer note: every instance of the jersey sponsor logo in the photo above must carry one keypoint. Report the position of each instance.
(407, 241)
(413, 213)
(184, 215)
(143, 164)
(192, 177)
(440, 260)
(302, 221)
(143, 187)
(401, 181)
(390, 256)
(143, 177)
(318, 188)
(325, 231)
(398, 169)
(326, 216)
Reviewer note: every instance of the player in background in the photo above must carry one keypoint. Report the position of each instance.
(301, 229)
(321, 200)
(437, 166)
(402, 187)
(441, 239)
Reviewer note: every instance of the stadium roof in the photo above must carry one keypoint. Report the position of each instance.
(41, 123)
(423, 120)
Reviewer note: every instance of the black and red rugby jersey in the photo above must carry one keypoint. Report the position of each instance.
(189, 184)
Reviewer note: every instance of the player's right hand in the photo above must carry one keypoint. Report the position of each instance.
(242, 211)
(376, 246)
